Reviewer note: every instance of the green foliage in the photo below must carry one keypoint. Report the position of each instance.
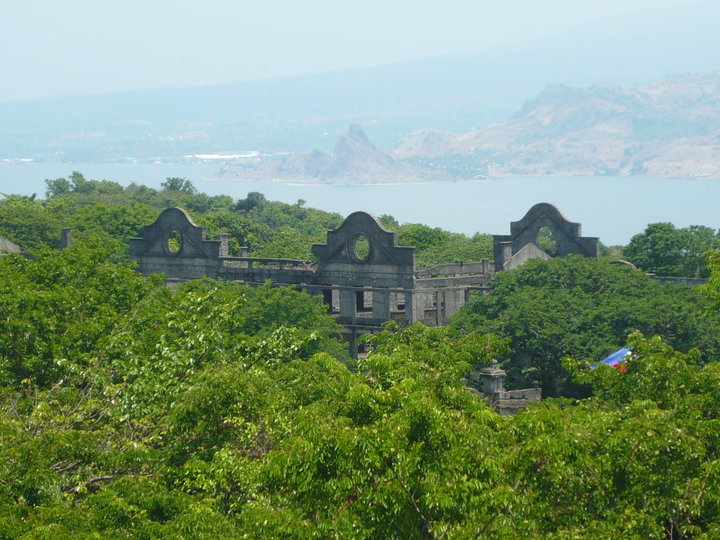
(286, 243)
(581, 307)
(195, 410)
(268, 229)
(99, 370)
(55, 309)
(667, 251)
(389, 461)
(425, 348)
(178, 184)
(661, 411)
(436, 246)
(214, 410)
(106, 209)
(266, 309)
(547, 242)
(57, 187)
(28, 223)
(253, 200)
(654, 371)
(130, 409)
(712, 288)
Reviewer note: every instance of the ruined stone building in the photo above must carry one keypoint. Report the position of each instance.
(522, 244)
(363, 276)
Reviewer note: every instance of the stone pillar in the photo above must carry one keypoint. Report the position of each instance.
(507, 253)
(409, 307)
(244, 254)
(353, 344)
(66, 238)
(492, 377)
(224, 245)
(381, 305)
(348, 303)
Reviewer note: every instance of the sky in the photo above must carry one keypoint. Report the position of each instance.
(77, 47)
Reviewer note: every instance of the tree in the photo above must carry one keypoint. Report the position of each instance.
(668, 251)
(29, 223)
(436, 246)
(182, 185)
(57, 187)
(56, 308)
(581, 307)
(286, 243)
(253, 200)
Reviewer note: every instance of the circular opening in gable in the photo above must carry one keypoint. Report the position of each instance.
(174, 242)
(360, 249)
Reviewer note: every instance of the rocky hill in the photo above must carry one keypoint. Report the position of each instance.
(356, 160)
(667, 128)
(456, 93)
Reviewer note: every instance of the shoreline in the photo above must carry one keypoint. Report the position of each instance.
(220, 176)
(458, 180)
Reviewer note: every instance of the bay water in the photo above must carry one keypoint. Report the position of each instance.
(611, 208)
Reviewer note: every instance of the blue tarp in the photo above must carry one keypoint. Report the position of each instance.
(614, 359)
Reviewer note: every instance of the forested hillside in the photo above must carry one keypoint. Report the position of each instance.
(210, 409)
(268, 228)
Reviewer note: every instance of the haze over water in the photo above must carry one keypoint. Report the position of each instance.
(612, 208)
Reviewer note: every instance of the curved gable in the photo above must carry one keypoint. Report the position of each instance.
(525, 231)
(382, 244)
(177, 223)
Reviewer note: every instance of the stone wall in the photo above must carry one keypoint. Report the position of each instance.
(566, 234)
(361, 273)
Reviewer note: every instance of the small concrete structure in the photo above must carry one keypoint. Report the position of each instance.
(510, 250)
(505, 401)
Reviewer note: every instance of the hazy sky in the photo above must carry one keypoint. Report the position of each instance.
(52, 47)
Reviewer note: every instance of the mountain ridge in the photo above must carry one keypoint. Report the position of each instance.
(356, 160)
(453, 92)
(666, 128)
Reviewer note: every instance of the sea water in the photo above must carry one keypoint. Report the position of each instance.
(612, 208)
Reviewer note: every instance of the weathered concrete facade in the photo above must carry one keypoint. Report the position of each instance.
(173, 245)
(521, 244)
(362, 274)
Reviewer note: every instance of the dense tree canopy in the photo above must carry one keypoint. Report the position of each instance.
(266, 228)
(668, 251)
(130, 409)
(581, 307)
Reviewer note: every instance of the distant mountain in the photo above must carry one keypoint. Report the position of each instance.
(356, 160)
(449, 93)
(667, 128)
